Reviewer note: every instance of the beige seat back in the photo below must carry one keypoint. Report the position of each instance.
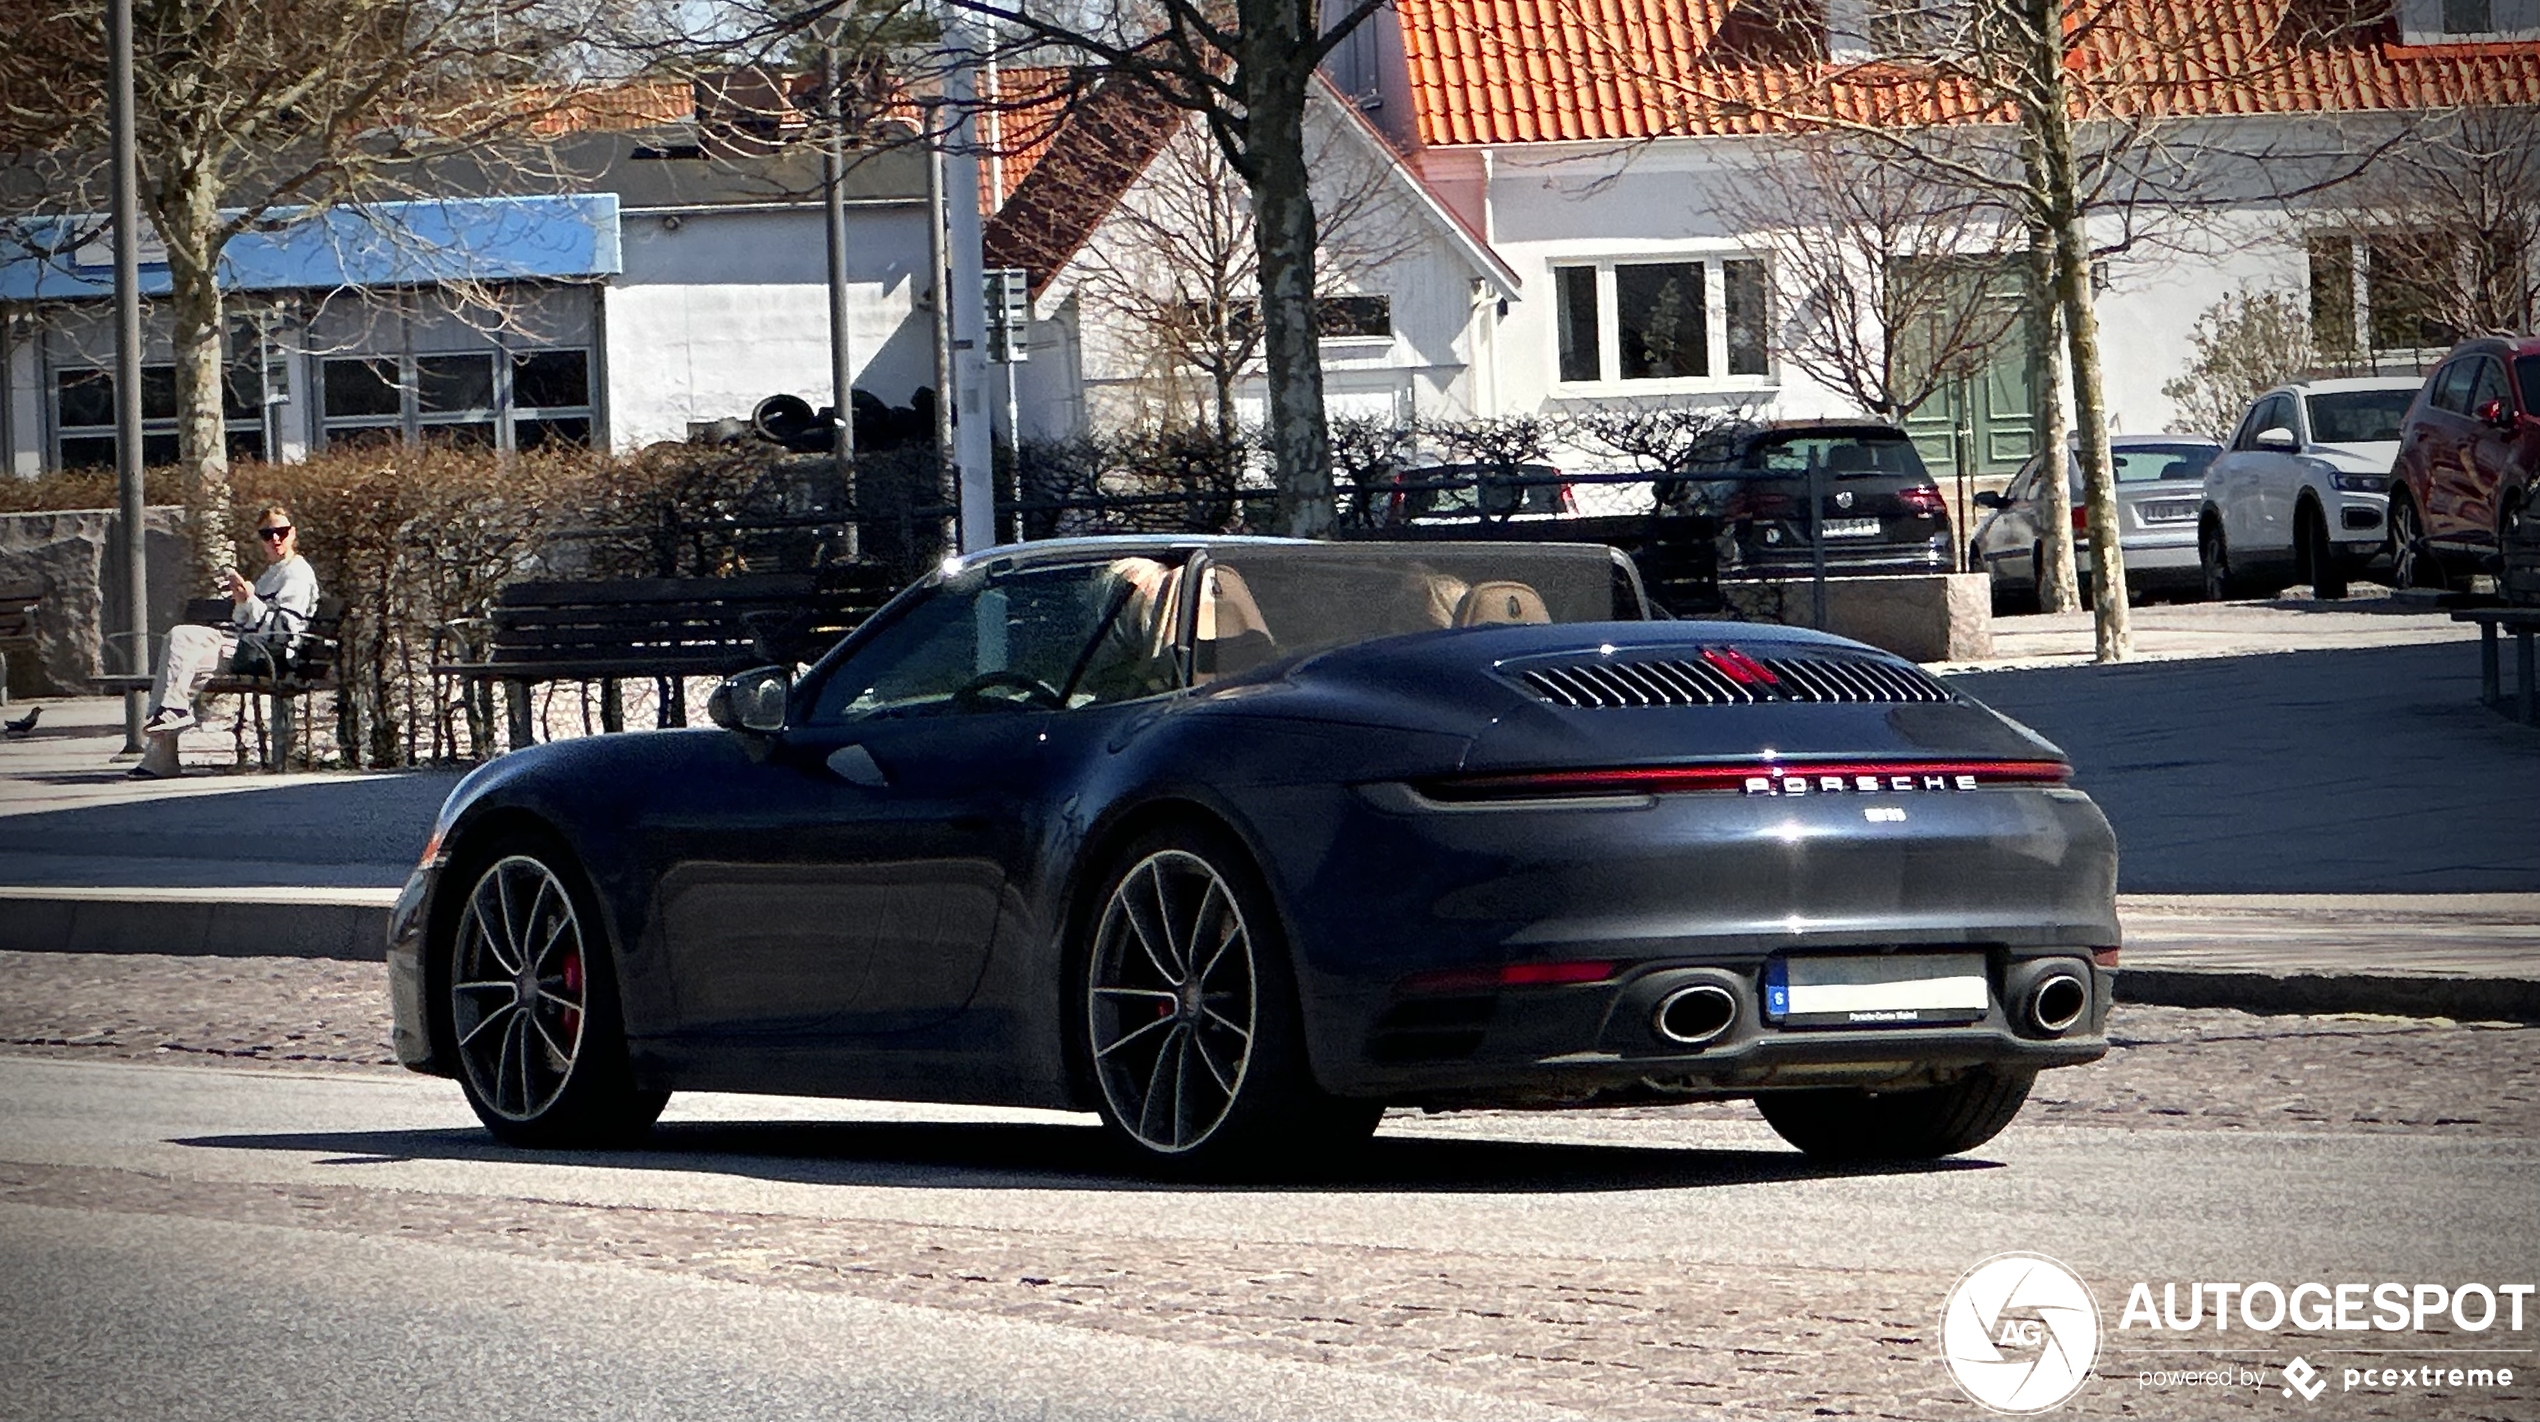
(1499, 603)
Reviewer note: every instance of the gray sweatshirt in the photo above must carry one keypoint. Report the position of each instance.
(285, 598)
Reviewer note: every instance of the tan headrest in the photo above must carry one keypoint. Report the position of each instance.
(1226, 608)
(1501, 602)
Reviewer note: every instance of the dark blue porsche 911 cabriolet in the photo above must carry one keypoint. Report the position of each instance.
(1237, 841)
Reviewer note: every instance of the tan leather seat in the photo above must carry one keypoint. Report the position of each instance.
(1500, 603)
(1231, 634)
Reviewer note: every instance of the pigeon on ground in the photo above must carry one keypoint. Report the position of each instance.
(20, 727)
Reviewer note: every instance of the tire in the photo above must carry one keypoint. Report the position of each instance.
(1923, 1124)
(2412, 564)
(537, 1037)
(2213, 553)
(2327, 579)
(1199, 1065)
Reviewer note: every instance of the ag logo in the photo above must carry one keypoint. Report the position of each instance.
(2020, 1332)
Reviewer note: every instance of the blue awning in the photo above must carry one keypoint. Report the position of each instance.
(378, 244)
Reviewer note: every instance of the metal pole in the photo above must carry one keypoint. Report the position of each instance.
(1817, 545)
(947, 471)
(966, 285)
(127, 219)
(833, 170)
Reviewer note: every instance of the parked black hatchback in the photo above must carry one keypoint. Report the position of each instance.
(1878, 509)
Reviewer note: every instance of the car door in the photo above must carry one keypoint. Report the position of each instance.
(2005, 541)
(2273, 475)
(2229, 479)
(2447, 431)
(2486, 448)
(848, 881)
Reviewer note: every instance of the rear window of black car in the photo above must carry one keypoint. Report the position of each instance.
(1843, 455)
(2527, 375)
(2359, 416)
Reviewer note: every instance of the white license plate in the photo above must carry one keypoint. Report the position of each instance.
(1884, 990)
(1852, 528)
(2179, 512)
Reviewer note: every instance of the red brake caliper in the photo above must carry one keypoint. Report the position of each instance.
(572, 1016)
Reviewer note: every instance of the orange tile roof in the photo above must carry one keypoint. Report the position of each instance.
(1106, 136)
(1543, 71)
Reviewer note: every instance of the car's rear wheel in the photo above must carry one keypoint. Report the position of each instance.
(1189, 1013)
(2412, 564)
(534, 1023)
(1922, 1124)
(2327, 579)
(2213, 553)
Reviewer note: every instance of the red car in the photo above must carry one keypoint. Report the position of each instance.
(2468, 452)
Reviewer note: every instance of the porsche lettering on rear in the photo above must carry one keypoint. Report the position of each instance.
(1853, 784)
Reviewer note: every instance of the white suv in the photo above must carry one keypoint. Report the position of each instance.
(2302, 493)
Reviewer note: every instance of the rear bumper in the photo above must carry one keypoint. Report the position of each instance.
(1412, 914)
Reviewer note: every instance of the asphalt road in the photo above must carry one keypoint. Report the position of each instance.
(275, 1244)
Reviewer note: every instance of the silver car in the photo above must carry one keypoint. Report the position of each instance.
(2160, 487)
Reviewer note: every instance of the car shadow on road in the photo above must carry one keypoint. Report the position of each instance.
(1034, 1156)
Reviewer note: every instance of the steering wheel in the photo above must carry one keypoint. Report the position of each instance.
(1009, 685)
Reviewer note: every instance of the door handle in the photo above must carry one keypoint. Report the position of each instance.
(855, 765)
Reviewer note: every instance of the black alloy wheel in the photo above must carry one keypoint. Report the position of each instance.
(533, 1018)
(1923, 1124)
(2412, 564)
(2328, 581)
(1191, 1028)
(2213, 554)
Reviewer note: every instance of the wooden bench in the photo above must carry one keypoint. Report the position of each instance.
(18, 602)
(2518, 623)
(311, 669)
(664, 629)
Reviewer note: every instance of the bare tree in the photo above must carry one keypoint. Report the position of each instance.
(1885, 271)
(2449, 227)
(1174, 270)
(256, 114)
(2068, 113)
(2242, 344)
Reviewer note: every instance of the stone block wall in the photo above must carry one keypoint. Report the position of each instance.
(77, 555)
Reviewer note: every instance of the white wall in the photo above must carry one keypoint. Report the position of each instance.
(716, 311)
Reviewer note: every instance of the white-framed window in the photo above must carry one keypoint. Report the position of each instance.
(1661, 322)
(83, 410)
(2468, 21)
(2376, 293)
(483, 399)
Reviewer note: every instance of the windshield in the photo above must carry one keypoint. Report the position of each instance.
(1259, 604)
(2358, 416)
(1846, 455)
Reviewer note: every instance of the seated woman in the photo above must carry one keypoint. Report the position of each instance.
(277, 605)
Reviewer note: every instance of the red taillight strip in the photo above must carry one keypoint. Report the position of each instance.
(1508, 975)
(1858, 776)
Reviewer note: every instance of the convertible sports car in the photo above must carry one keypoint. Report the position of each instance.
(1237, 841)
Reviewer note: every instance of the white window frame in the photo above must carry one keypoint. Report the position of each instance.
(1609, 327)
(2421, 22)
(412, 422)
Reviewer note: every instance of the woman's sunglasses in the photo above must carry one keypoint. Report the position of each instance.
(275, 534)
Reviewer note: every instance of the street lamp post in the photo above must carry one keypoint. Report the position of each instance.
(127, 219)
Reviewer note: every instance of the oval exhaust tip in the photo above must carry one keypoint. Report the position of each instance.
(1695, 1015)
(2058, 1003)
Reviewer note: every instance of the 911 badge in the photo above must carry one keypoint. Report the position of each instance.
(1788, 783)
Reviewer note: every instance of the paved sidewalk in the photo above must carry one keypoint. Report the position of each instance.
(2316, 815)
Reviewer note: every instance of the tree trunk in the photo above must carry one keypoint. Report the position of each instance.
(2057, 194)
(2059, 590)
(188, 223)
(1275, 80)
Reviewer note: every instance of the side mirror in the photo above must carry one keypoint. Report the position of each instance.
(2279, 439)
(2495, 412)
(752, 701)
(1988, 499)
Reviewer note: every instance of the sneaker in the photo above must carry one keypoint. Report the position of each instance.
(168, 719)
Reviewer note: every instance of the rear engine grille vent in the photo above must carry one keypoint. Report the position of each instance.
(1721, 676)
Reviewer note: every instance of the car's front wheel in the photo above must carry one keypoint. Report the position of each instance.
(2213, 551)
(1189, 1013)
(533, 1015)
(1922, 1124)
